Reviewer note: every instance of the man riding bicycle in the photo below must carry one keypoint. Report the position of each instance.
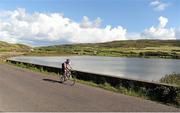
(66, 68)
(67, 75)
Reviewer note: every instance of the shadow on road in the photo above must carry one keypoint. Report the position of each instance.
(55, 81)
(52, 81)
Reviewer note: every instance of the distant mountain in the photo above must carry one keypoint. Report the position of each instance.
(127, 48)
(7, 47)
(117, 44)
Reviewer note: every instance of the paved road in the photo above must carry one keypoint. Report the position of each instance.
(23, 90)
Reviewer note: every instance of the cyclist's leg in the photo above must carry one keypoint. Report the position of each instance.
(65, 75)
(68, 73)
(61, 77)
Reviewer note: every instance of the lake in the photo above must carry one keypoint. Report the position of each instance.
(133, 68)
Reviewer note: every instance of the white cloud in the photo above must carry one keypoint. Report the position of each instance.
(18, 26)
(159, 6)
(160, 32)
(86, 23)
(154, 3)
(162, 21)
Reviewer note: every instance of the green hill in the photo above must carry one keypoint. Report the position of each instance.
(128, 48)
(7, 47)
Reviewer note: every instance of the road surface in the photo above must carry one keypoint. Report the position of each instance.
(24, 90)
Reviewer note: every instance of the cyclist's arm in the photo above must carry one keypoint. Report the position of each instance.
(69, 68)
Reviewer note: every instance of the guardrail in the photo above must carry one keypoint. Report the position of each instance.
(156, 90)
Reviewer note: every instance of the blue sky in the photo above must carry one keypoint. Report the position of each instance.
(133, 15)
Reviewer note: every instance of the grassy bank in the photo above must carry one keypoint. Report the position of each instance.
(129, 48)
(173, 79)
(10, 50)
(120, 89)
(161, 94)
(8, 47)
(5, 55)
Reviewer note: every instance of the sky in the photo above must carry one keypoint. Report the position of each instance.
(49, 22)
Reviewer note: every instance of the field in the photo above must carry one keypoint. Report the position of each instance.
(7, 47)
(9, 50)
(130, 48)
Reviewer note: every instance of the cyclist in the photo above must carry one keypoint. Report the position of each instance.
(66, 67)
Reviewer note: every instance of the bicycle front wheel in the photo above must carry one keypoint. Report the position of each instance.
(73, 79)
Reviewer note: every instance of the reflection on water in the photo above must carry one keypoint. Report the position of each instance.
(134, 68)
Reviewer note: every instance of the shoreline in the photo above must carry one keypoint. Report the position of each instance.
(123, 56)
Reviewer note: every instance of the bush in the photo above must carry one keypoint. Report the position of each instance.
(173, 79)
(163, 94)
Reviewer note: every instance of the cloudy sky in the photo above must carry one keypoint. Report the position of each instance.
(48, 22)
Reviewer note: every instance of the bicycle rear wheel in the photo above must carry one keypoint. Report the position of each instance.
(62, 79)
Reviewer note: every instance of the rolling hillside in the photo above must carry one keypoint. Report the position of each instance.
(7, 47)
(129, 48)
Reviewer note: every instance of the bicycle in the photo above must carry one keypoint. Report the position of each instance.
(70, 77)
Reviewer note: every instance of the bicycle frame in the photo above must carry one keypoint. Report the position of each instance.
(68, 76)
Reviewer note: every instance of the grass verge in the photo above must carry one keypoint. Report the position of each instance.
(173, 79)
(121, 89)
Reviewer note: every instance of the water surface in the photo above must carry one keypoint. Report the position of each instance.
(134, 68)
